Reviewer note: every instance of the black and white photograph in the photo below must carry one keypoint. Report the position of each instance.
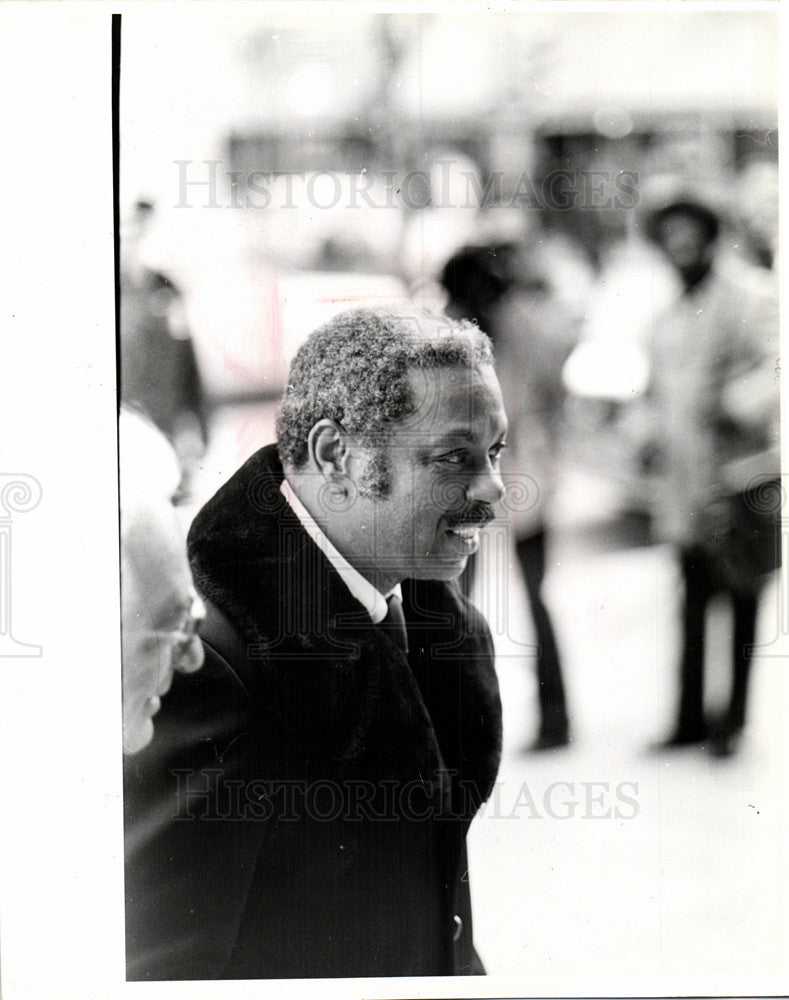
(392, 523)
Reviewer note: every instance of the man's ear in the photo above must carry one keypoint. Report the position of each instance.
(327, 446)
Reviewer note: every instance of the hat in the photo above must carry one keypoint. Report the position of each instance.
(663, 196)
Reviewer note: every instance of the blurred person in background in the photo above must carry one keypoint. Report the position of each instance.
(159, 373)
(510, 290)
(160, 610)
(716, 409)
(757, 211)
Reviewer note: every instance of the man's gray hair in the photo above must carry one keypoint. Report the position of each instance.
(354, 370)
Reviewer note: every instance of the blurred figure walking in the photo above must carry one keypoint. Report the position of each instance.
(715, 396)
(159, 374)
(509, 290)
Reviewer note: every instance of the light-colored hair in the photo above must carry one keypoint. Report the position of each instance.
(151, 535)
(149, 471)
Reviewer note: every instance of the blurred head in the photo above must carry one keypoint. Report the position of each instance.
(390, 433)
(686, 237)
(160, 611)
(475, 279)
(686, 229)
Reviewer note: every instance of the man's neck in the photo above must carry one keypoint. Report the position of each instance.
(336, 553)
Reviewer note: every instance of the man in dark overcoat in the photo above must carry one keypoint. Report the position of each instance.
(303, 808)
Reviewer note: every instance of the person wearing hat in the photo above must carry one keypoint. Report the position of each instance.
(715, 400)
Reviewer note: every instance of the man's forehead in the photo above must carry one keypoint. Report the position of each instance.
(156, 569)
(456, 402)
(453, 386)
(681, 217)
(159, 599)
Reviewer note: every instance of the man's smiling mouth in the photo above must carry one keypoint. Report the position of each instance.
(467, 535)
(468, 531)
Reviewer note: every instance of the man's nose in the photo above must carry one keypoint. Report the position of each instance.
(486, 487)
(190, 657)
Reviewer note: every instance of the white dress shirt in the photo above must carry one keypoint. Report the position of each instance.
(373, 601)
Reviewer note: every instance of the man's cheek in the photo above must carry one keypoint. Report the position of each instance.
(448, 493)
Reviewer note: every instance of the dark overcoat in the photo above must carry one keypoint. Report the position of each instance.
(303, 808)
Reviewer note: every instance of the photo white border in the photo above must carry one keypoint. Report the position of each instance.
(61, 898)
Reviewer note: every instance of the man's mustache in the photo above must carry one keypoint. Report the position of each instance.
(479, 514)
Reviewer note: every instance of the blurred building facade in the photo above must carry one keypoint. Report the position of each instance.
(284, 148)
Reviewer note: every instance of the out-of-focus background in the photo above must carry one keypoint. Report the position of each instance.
(298, 165)
(278, 169)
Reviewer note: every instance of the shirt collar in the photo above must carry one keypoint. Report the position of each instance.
(373, 601)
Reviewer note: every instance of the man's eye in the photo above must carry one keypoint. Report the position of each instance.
(496, 450)
(453, 458)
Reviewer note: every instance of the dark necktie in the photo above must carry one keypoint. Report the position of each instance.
(394, 622)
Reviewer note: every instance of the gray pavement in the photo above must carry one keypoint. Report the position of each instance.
(605, 857)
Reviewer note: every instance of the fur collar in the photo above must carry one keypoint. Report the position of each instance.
(252, 559)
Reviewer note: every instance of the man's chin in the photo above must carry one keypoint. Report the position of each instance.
(444, 569)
